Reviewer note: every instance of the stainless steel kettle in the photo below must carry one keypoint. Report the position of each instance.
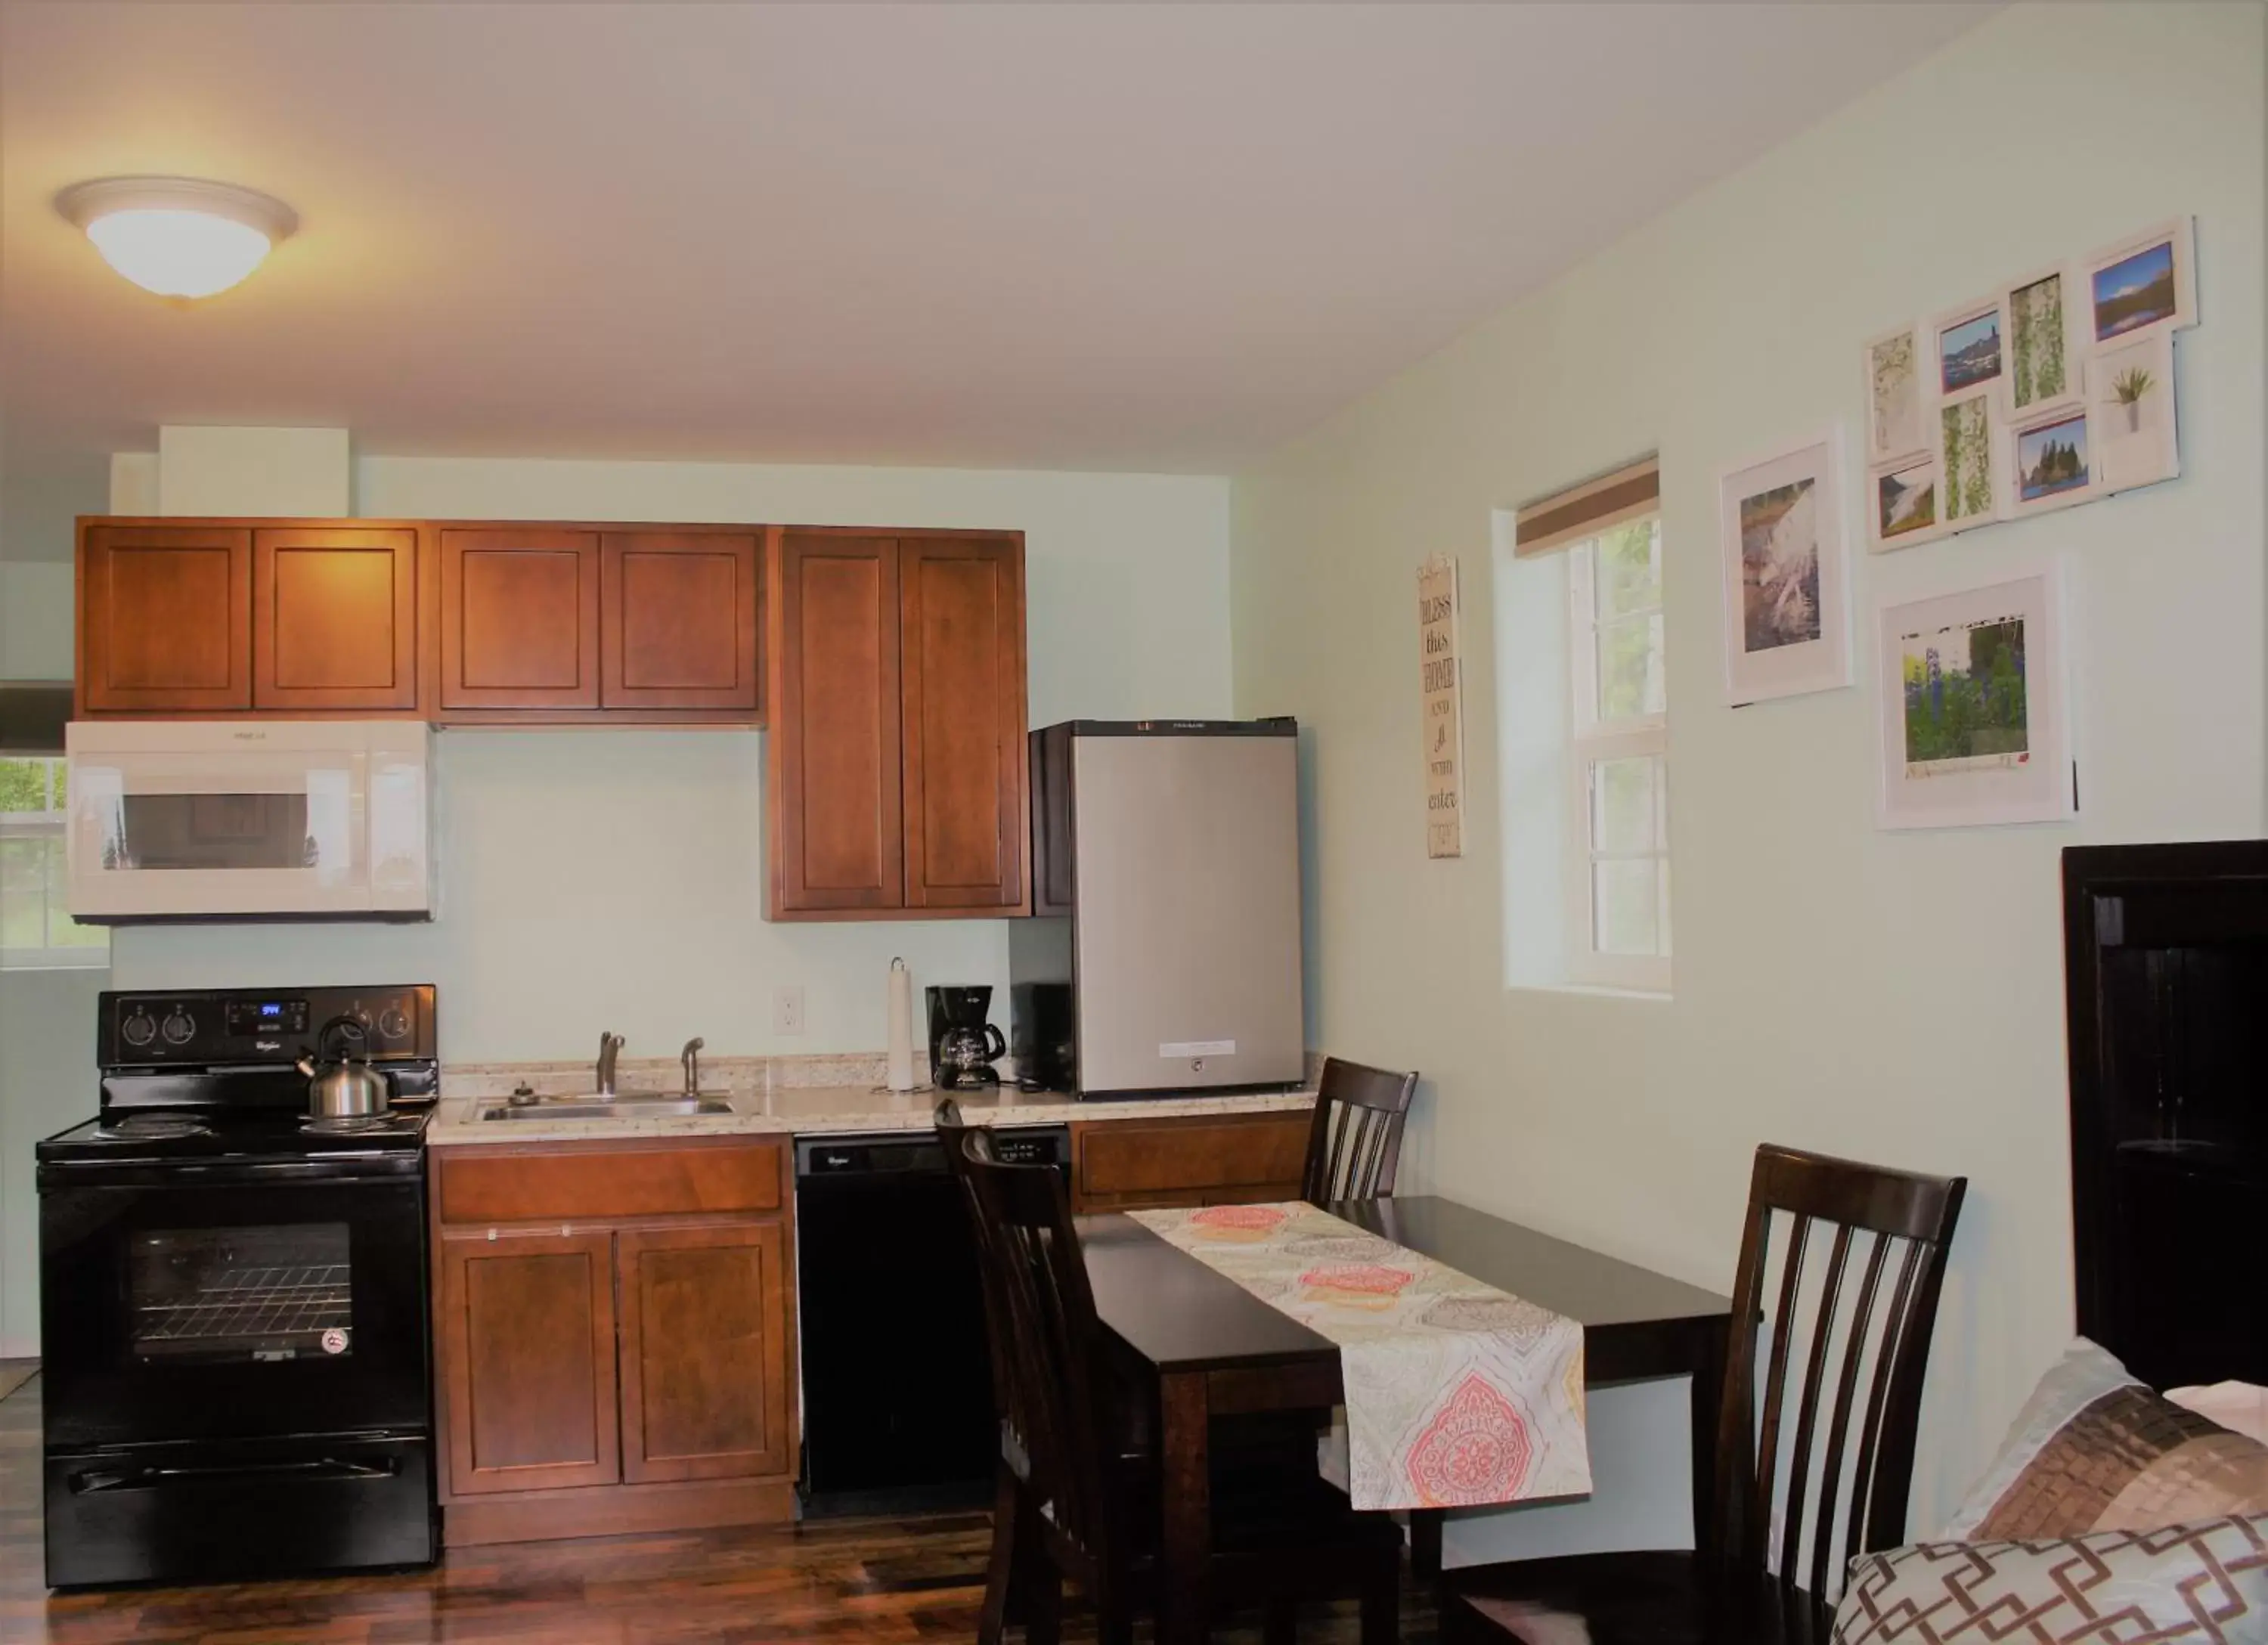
(345, 1085)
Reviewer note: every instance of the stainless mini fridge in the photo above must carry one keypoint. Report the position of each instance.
(1163, 952)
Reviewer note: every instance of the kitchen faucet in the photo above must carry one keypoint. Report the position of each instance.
(691, 1057)
(610, 1046)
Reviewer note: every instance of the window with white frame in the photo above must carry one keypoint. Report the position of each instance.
(1618, 837)
(36, 930)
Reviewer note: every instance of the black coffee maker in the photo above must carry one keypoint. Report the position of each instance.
(962, 1042)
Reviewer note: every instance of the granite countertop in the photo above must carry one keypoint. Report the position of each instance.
(768, 1099)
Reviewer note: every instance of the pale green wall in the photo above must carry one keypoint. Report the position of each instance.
(1894, 997)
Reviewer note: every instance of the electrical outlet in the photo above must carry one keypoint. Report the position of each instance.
(787, 1010)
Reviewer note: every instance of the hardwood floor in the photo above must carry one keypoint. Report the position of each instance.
(880, 1580)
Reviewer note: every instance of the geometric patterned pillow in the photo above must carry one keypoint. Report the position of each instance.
(2198, 1584)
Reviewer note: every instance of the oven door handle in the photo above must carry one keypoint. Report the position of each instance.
(96, 1481)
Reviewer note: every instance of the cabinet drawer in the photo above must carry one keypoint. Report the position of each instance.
(611, 1182)
(1207, 1158)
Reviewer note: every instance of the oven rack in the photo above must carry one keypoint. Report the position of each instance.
(278, 1301)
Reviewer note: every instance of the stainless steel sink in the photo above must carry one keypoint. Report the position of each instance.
(623, 1106)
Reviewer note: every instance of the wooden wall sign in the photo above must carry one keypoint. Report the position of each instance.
(1443, 697)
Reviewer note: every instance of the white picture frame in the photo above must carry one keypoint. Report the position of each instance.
(2138, 436)
(1902, 504)
(2007, 768)
(2043, 351)
(2054, 460)
(1783, 547)
(1898, 395)
(1967, 348)
(1971, 466)
(2145, 282)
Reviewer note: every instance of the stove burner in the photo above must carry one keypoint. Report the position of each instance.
(151, 1128)
(349, 1124)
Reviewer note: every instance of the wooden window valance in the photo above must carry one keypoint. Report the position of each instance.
(1627, 493)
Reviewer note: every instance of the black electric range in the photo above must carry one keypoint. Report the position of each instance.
(233, 1303)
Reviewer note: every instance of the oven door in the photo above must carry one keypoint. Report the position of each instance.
(193, 1302)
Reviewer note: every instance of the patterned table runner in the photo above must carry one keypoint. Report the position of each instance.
(1457, 1394)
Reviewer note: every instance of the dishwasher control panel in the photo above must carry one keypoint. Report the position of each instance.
(891, 1153)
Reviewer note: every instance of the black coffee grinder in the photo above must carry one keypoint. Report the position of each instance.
(962, 1042)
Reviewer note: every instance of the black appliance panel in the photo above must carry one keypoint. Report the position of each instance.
(186, 1302)
(240, 1028)
(897, 1385)
(213, 1512)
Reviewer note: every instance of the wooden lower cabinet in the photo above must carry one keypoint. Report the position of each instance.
(607, 1372)
(1201, 1160)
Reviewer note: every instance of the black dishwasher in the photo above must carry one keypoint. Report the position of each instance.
(897, 1393)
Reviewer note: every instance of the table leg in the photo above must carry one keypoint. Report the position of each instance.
(1426, 1543)
(1185, 1500)
(1708, 1398)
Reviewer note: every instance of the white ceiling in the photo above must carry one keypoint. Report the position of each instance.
(1141, 237)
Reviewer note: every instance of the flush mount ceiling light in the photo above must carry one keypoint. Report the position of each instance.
(178, 236)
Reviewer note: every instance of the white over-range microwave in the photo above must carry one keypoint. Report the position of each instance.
(267, 819)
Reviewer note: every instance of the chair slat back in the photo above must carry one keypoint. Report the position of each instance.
(952, 1132)
(1053, 1338)
(1355, 1143)
(1777, 1481)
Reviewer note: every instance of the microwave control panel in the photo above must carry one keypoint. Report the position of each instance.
(237, 1027)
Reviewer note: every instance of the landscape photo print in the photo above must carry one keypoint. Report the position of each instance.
(1786, 602)
(1973, 719)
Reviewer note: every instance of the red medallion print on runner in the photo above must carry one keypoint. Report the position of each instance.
(1239, 1219)
(1474, 1450)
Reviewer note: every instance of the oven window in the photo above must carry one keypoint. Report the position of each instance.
(215, 831)
(278, 1293)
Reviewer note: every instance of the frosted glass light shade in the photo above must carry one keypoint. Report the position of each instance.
(178, 236)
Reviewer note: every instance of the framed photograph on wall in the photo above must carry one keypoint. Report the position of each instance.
(1897, 404)
(2043, 350)
(2053, 462)
(1786, 578)
(2129, 400)
(1966, 349)
(2142, 285)
(1974, 727)
(1902, 504)
(1969, 463)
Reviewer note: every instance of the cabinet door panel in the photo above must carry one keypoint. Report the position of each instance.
(962, 606)
(836, 838)
(520, 619)
(334, 618)
(527, 1361)
(705, 1352)
(680, 620)
(165, 615)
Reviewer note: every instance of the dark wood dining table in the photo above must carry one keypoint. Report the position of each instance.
(1206, 1346)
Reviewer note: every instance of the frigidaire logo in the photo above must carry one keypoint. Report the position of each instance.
(249, 736)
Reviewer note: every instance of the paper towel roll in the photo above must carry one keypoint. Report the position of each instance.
(901, 1027)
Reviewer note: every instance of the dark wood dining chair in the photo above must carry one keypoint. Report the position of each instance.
(1356, 1141)
(1084, 1507)
(1765, 1578)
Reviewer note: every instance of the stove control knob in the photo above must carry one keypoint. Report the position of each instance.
(140, 1029)
(178, 1029)
(393, 1024)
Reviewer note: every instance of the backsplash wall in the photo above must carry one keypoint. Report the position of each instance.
(613, 879)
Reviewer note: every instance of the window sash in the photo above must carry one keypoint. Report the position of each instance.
(48, 826)
(1591, 744)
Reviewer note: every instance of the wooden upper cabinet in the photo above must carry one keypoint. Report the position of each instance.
(836, 834)
(706, 1361)
(527, 1352)
(165, 619)
(679, 619)
(519, 618)
(334, 618)
(961, 682)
